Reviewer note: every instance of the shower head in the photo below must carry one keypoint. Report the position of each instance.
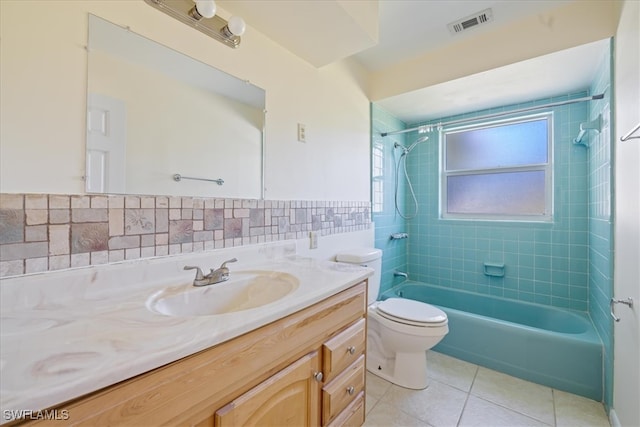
(418, 141)
(406, 150)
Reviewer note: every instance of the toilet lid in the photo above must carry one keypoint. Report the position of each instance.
(411, 310)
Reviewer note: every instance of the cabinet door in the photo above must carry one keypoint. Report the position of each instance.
(289, 398)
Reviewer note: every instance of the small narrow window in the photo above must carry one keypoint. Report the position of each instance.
(498, 171)
(377, 175)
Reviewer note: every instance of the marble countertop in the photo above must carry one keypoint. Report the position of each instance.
(58, 347)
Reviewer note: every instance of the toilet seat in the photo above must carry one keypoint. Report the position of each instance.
(411, 312)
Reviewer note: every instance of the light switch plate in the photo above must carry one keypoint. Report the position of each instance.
(302, 133)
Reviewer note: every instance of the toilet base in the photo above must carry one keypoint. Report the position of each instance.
(407, 370)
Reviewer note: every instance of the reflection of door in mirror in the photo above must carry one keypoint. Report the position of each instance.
(106, 144)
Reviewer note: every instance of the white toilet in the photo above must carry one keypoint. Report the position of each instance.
(399, 331)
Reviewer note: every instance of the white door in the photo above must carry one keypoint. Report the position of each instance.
(106, 144)
(626, 352)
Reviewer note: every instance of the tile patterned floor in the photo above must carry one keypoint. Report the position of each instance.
(464, 394)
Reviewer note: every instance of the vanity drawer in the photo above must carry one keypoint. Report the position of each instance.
(340, 392)
(343, 349)
(353, 415)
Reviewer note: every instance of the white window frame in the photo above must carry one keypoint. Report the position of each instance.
(377, 177)
(547, 167)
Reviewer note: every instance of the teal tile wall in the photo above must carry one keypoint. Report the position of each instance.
(601, 219)
(386, 220)
(546, 263)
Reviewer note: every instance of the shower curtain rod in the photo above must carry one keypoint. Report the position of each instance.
(504, 113)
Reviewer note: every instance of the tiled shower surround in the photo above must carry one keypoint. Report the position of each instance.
(43, 232)
(545, 263)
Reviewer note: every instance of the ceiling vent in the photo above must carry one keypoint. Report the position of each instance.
(471, 21)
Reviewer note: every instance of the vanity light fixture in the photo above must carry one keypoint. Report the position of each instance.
(201, 15)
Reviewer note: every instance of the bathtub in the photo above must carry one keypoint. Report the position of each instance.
(546, 345)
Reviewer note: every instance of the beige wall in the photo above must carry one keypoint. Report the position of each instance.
(44, 79)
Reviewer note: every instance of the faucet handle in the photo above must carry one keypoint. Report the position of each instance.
(224, 264)
(199, 275)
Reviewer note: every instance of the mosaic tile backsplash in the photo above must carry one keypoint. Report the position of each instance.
(44, 232)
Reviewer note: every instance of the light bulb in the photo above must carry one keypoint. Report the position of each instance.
(236, 26)
(206, 8)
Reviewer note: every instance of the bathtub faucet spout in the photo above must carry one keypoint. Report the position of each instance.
(400, 274)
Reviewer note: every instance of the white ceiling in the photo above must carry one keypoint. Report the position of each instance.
(555, 74)
(412, 28)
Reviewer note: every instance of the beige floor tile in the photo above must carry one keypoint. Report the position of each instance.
(463, 394)
(385, 415)
(522, 396)
(439, 404)
(578, 411)
(449, 370)
(369, 403)
(376, 386)
(481, 413)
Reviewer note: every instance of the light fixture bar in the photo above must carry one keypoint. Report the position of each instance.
(214, 27)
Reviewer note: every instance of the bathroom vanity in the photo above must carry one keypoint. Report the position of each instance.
(305, 369)
(296, 361)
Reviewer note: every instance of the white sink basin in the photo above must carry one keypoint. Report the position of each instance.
(243, 291)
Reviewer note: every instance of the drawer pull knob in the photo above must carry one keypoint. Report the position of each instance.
(351, 350)
(351, 390)
(318, 376)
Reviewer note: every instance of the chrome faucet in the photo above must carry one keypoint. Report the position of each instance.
(400, 274)
(215, 276)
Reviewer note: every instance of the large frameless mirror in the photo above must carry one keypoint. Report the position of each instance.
(162, 123)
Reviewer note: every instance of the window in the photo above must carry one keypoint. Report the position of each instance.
(498, 171)
(377, 175)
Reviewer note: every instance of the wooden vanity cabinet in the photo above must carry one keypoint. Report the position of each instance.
(305, 369)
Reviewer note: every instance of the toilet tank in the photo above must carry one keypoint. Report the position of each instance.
(367, 257)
